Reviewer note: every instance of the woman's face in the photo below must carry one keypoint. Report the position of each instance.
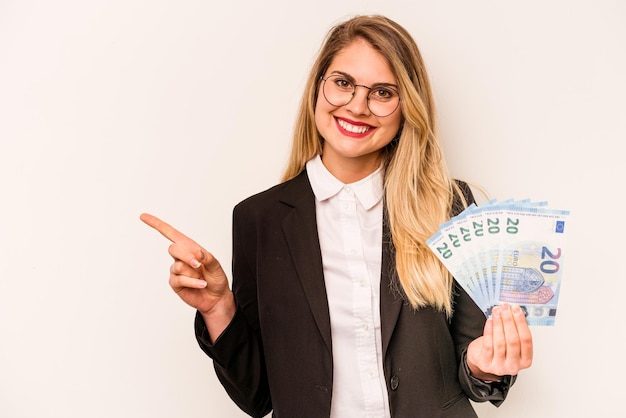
(353, 136)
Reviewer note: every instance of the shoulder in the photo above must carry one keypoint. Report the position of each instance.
(462, 196)
(288, 193)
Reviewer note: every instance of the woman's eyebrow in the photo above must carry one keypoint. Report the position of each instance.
(349, 77)
(346, 75)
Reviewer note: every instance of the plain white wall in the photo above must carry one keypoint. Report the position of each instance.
(183, 108)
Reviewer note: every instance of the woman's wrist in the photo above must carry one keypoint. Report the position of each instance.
(220, 315)
(480, 375)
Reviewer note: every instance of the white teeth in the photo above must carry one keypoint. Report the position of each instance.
(352, 128)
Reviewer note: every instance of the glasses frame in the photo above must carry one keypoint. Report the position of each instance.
(324, 79)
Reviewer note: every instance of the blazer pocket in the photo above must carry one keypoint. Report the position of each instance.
(453, 401)
(458, 407)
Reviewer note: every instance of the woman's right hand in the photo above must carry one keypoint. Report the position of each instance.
(197, 277)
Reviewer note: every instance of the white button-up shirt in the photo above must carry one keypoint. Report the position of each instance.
(349, 224)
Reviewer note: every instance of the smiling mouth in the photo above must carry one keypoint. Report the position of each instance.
(355, 129)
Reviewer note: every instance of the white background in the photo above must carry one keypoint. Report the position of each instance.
(183, 108)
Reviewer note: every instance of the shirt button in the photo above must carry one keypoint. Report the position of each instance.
(347, 190)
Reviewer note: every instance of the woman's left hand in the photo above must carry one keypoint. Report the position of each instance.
(505, 348)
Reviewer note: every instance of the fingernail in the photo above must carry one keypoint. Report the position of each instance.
(195, 263)
(516, 309)
(201, 284)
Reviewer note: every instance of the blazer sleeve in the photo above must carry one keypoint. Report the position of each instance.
(237, 353)
(467, 324)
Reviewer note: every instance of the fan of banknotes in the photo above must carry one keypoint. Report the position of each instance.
(507, 251)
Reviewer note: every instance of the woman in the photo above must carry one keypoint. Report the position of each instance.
(338, 307)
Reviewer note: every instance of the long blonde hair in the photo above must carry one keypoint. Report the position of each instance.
(418, 189)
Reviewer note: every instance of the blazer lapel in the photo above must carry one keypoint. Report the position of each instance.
(300, 229)
(391, 300)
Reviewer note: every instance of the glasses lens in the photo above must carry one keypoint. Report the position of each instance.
(381, 100)
(338, 91)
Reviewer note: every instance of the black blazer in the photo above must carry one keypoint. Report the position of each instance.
(276, 354)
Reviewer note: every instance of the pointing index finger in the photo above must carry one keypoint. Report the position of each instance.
(164, 228)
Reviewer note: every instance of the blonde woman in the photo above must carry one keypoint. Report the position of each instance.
(338, 308)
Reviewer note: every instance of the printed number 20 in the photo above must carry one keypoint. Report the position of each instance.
(445, 251)
(550, 266)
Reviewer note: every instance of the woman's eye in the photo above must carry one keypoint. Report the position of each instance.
(343, 83)
(382, 94)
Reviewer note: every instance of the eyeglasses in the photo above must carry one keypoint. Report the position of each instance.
(338, 90)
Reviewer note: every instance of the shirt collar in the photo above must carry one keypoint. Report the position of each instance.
(369, 190)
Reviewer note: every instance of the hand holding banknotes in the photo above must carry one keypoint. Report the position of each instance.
(197, 277)
(508, 256)
(506, 346)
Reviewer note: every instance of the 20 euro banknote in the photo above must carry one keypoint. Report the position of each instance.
(509, 251)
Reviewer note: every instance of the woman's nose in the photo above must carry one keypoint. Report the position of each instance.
(359, 102)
